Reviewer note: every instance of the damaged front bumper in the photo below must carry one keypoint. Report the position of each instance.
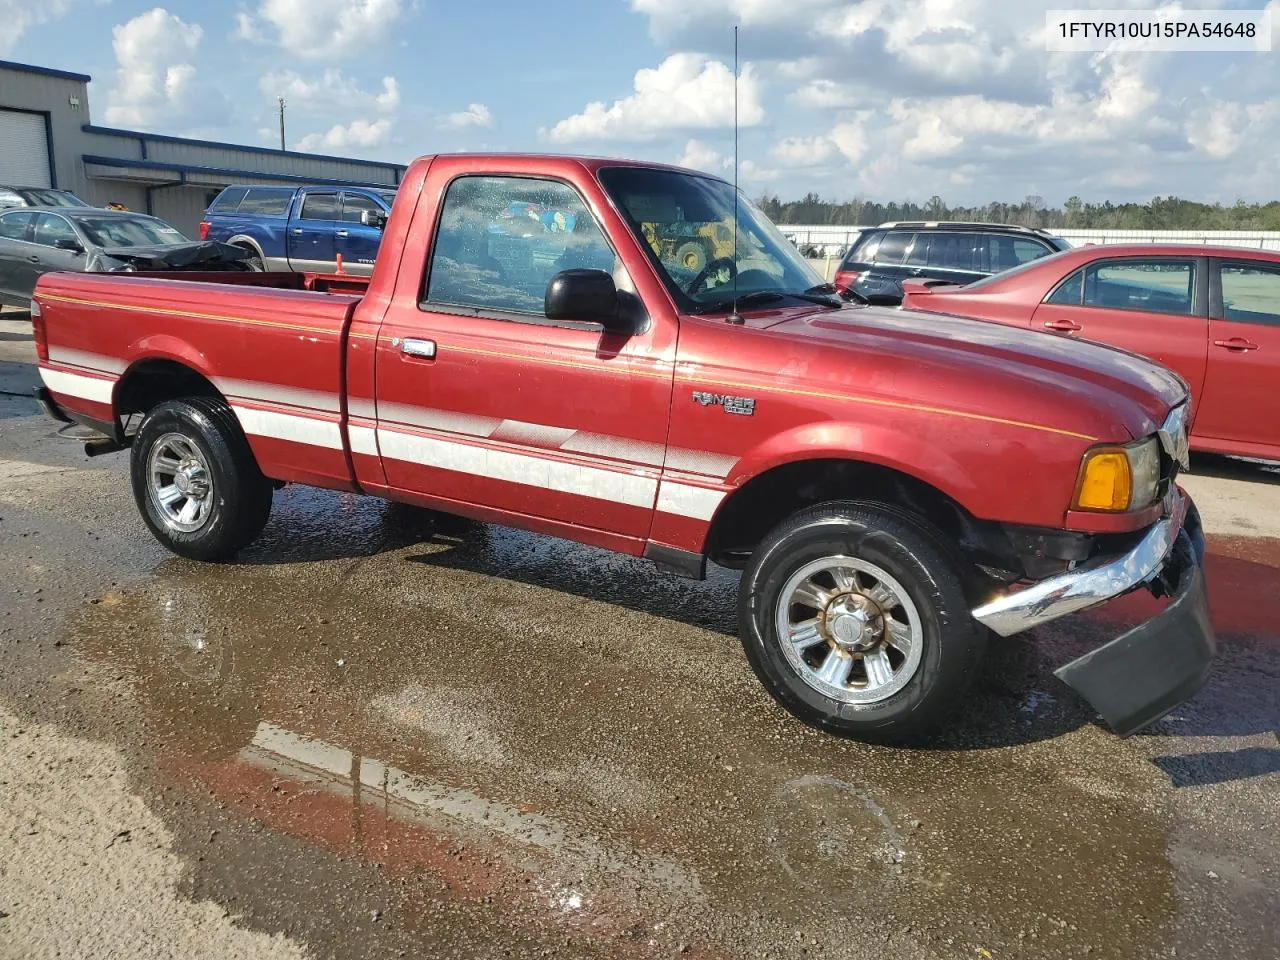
(1140, 676)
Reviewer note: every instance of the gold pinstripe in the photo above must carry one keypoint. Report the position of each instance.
(629, 371)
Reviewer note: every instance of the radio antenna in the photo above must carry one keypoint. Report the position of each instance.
(734, 316)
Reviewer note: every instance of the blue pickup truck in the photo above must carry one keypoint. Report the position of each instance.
(301, 228)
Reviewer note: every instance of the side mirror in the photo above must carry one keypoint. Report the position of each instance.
(373, 218)
(66, 243)
(588, 296)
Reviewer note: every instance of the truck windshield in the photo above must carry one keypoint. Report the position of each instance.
(686, 225)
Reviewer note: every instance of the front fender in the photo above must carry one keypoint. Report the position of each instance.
(866, 443)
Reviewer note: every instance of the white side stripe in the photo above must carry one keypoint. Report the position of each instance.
(76, 385)
(363, 440)
(287, 426)
(532, 471)
(90, 361)
(688, 501)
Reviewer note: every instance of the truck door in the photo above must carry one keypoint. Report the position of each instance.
(312, 233)
(483, 400)
(357, 242)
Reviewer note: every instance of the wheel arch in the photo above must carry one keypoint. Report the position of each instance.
(163, 372)
(834, 461)
(245, 240)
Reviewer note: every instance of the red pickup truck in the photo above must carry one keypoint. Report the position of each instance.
(893, 485)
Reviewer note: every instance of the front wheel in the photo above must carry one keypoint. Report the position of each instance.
(196, 481)
(854, 617)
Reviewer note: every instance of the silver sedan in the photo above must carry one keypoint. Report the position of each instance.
(34, 241)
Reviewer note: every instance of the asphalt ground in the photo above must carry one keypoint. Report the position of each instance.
(373, 736)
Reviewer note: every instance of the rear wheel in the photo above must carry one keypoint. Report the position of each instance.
(196, 481)
(854, 617)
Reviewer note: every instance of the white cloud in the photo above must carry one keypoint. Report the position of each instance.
(322, 29)
(156, 85)
(686, 91)
(331, 92)
(797, 152)
(476, 115)
(18, 16)
(702, 156)
(357, 134)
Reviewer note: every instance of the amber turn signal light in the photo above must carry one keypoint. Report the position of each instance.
(1106, 482)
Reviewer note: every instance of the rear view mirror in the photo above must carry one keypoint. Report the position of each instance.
(373, 218)
(588, 296)
(66, 243)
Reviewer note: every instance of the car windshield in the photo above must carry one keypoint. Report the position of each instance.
(685, 223)
(129, 231)
(53, 198)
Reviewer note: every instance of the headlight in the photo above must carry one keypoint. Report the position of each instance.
(1116, 479)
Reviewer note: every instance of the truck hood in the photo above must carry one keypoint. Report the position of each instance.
(1069, 379)
(176, 256)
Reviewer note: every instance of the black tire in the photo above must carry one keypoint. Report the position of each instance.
(254, 262)
(240, 499)
(692, 256)
(924, 564)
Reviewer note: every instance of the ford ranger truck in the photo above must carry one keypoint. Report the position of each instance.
(893, 486)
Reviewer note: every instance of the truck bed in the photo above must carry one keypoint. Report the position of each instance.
(271, 343)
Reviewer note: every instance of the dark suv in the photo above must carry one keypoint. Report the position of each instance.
(884, 256)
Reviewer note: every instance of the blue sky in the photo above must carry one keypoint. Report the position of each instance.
(882, 99)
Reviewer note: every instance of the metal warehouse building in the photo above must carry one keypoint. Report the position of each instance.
(48, 140)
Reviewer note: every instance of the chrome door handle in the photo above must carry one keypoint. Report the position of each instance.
(1063, 326)
(342, 233)
(296, 231)
(418, 348)
(1236, 344)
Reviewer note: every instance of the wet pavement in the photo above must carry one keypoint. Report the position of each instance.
(377, 736)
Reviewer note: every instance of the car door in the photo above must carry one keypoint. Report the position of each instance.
(47, 231)
(313, 232)
(945, 255)
(17, 268)
(1155, 306)
(357, 242)
(483, 400)
(1241, 399)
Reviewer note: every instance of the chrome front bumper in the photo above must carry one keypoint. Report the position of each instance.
(1087, 585)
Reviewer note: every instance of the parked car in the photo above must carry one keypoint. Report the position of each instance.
(876, 265)
(36, 241)
(37, 197)
(1212, 314)
(303, 229)
(893, 484)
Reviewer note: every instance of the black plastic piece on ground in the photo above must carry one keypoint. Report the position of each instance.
(1140, 676)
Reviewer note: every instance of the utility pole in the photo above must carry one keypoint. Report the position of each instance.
(280, 100)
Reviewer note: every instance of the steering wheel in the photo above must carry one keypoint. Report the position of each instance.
(710, 268)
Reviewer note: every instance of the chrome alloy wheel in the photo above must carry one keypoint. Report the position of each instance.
(179, 483)
(849, 630)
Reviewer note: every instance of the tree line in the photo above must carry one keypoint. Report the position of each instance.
(1159, 213)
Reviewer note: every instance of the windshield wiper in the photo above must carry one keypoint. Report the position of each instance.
(759, 297)
(754, 298)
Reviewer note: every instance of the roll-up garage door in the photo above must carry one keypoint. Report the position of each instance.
(24, 150)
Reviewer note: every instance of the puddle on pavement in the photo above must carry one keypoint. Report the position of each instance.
(573, 741)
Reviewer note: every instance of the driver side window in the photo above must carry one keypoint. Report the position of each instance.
(502, 239)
